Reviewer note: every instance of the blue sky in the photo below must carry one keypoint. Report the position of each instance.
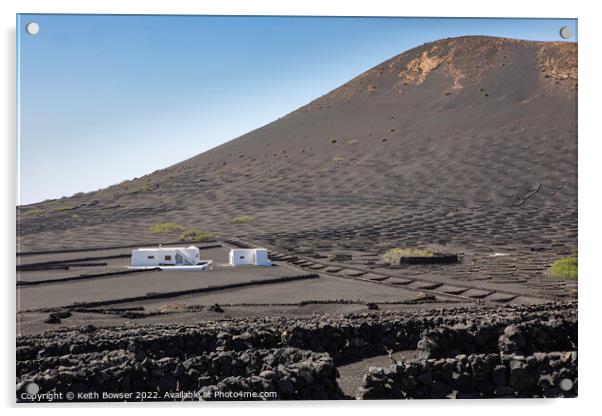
(107, 98)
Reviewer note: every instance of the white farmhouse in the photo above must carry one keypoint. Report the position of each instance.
(252, 256)
(165, 256)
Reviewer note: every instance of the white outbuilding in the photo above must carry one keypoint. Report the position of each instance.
(165, 256)
(249, 256)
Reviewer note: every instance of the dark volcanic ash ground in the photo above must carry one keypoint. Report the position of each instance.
(465, 146)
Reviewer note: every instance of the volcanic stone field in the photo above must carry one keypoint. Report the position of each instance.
(504, 351)
(465, 147)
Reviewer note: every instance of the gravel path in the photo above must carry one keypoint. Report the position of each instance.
(351, 374)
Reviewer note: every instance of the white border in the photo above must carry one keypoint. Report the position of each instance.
(590, 148)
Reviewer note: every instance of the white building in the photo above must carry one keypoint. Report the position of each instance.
(165, 256)
(252, 256)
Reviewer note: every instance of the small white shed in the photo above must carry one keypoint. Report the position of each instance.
(165, 256)
(249, 256)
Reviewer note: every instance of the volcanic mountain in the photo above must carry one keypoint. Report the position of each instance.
(469, 141)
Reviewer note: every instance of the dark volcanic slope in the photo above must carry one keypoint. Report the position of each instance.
(469, 141)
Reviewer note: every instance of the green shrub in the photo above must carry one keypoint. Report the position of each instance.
(147, 187)
(242, 219)
(166, 228)
(173, 307)
(34, 212)
(393, 255)
(333, 141)
(564, 268)
(196, 235)
(66, 208)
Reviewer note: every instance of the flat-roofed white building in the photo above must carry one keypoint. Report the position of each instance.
(165, 256)
(249, 256)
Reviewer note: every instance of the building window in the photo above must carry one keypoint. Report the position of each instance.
(151, 257)
(168, 258)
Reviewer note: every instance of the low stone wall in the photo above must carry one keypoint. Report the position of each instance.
(523, 338)
(313, 378)
(230, 355)
(533, 336)
(351, 341)
(448, 341)
(434, 259)
(346, 338)
(288, 373)
(551, 374)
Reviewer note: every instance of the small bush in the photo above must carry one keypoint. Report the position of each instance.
(242, 219)
(66, 208)
(565, 268)
(333, 141)
(437, 248)
(172, 307)
(166, 228)
(147, 187)
(395, 254)
(196, 235)
(34, 212)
